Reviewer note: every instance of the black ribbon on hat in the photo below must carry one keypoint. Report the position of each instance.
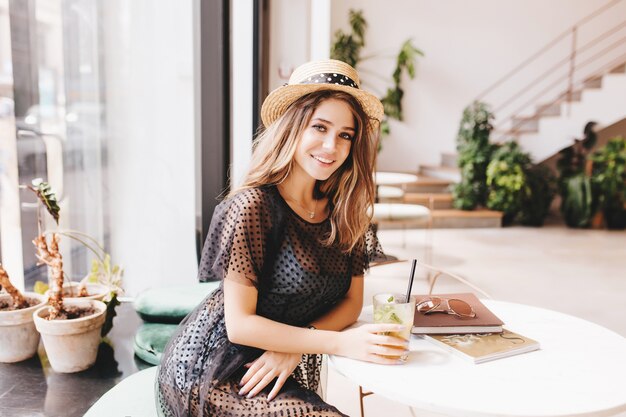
(330, 78)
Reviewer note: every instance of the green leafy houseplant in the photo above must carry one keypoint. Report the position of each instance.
(474, 155)
(347, 47)
(577, 203)
(536, 205)
(608, 180)
(521, 190)
(507, 181)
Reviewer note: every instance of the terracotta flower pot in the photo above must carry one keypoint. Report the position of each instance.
(71, 345)
(18, 337)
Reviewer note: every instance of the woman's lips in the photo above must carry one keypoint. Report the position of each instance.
(322, 160)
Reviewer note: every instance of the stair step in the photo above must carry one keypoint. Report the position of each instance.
(449, 159)
(553, 109)
(525, 124)
(451, 174)
(440, 200)
(427, 184)
(453, 218)
(575, 96)
(595, 82)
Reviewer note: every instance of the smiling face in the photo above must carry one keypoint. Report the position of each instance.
(326, 141)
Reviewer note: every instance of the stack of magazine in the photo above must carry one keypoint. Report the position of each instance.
(479, 339)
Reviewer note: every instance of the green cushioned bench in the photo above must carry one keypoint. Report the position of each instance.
(162, 309)
(150, 341)
(171, 304)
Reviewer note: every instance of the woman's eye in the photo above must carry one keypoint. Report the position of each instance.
(346, 136)
(319, 128)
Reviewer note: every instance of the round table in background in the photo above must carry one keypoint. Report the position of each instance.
(394, 178)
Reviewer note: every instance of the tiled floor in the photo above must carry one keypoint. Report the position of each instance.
(578, 272)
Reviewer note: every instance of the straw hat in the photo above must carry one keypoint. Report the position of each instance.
(315, 76)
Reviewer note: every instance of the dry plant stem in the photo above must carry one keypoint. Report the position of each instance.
(82, 290)
(18, 299)
(50, 255)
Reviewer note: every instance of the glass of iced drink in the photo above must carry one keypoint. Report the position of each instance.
(394, 308)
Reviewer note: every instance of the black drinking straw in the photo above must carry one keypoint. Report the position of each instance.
(408, 290)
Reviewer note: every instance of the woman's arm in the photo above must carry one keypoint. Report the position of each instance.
(245, 327)
(284, 344)
(347, 311)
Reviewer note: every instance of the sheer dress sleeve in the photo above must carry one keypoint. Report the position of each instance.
(237, 238)
(368, 250)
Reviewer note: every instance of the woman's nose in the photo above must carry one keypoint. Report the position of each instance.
(330, 142)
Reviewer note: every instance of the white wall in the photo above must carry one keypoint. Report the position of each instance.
(468, 46)
(148, 54)
(289, 38)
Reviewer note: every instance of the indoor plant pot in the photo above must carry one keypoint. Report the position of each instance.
(18, 337)
(72, 344)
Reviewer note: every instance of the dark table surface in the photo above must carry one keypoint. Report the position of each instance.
(32, 388)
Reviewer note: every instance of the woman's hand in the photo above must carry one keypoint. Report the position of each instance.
(264, 369)
(364, 343)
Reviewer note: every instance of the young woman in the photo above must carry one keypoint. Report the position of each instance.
(290, 246)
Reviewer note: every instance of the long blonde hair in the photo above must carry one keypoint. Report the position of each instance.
(350, 189)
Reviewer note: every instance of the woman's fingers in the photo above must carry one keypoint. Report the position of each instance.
(389, 340)
(277, 386)
(253, 380)
(262, 384)
(388, 351)
(253, 368)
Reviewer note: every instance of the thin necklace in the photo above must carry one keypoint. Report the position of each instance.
(309, 212)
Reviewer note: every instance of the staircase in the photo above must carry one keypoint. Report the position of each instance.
(555, 126)
(577, 77)
(432, 189)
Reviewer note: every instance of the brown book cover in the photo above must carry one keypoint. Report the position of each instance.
(485, 347)
(442, 323)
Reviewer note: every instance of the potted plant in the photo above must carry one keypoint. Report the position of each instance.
(608, 179)
(347, 47)
(103, 282)
(574, 183)
(70, 329)
(18, 337)
(507, 182)
(475, 152)
(536, 204)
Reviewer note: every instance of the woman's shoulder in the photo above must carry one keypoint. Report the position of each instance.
(254, 195)
(257, 199)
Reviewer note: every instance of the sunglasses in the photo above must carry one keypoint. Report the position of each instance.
(446, 305)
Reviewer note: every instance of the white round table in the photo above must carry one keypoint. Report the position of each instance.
(580, 370)
(407, 213)
(389, 193)
(393, 178)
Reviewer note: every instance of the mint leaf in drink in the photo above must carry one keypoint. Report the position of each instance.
(390, 299)
(394, 318)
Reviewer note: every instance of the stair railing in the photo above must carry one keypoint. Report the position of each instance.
(569, 83)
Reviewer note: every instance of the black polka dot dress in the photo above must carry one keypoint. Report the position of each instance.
(257, 239)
